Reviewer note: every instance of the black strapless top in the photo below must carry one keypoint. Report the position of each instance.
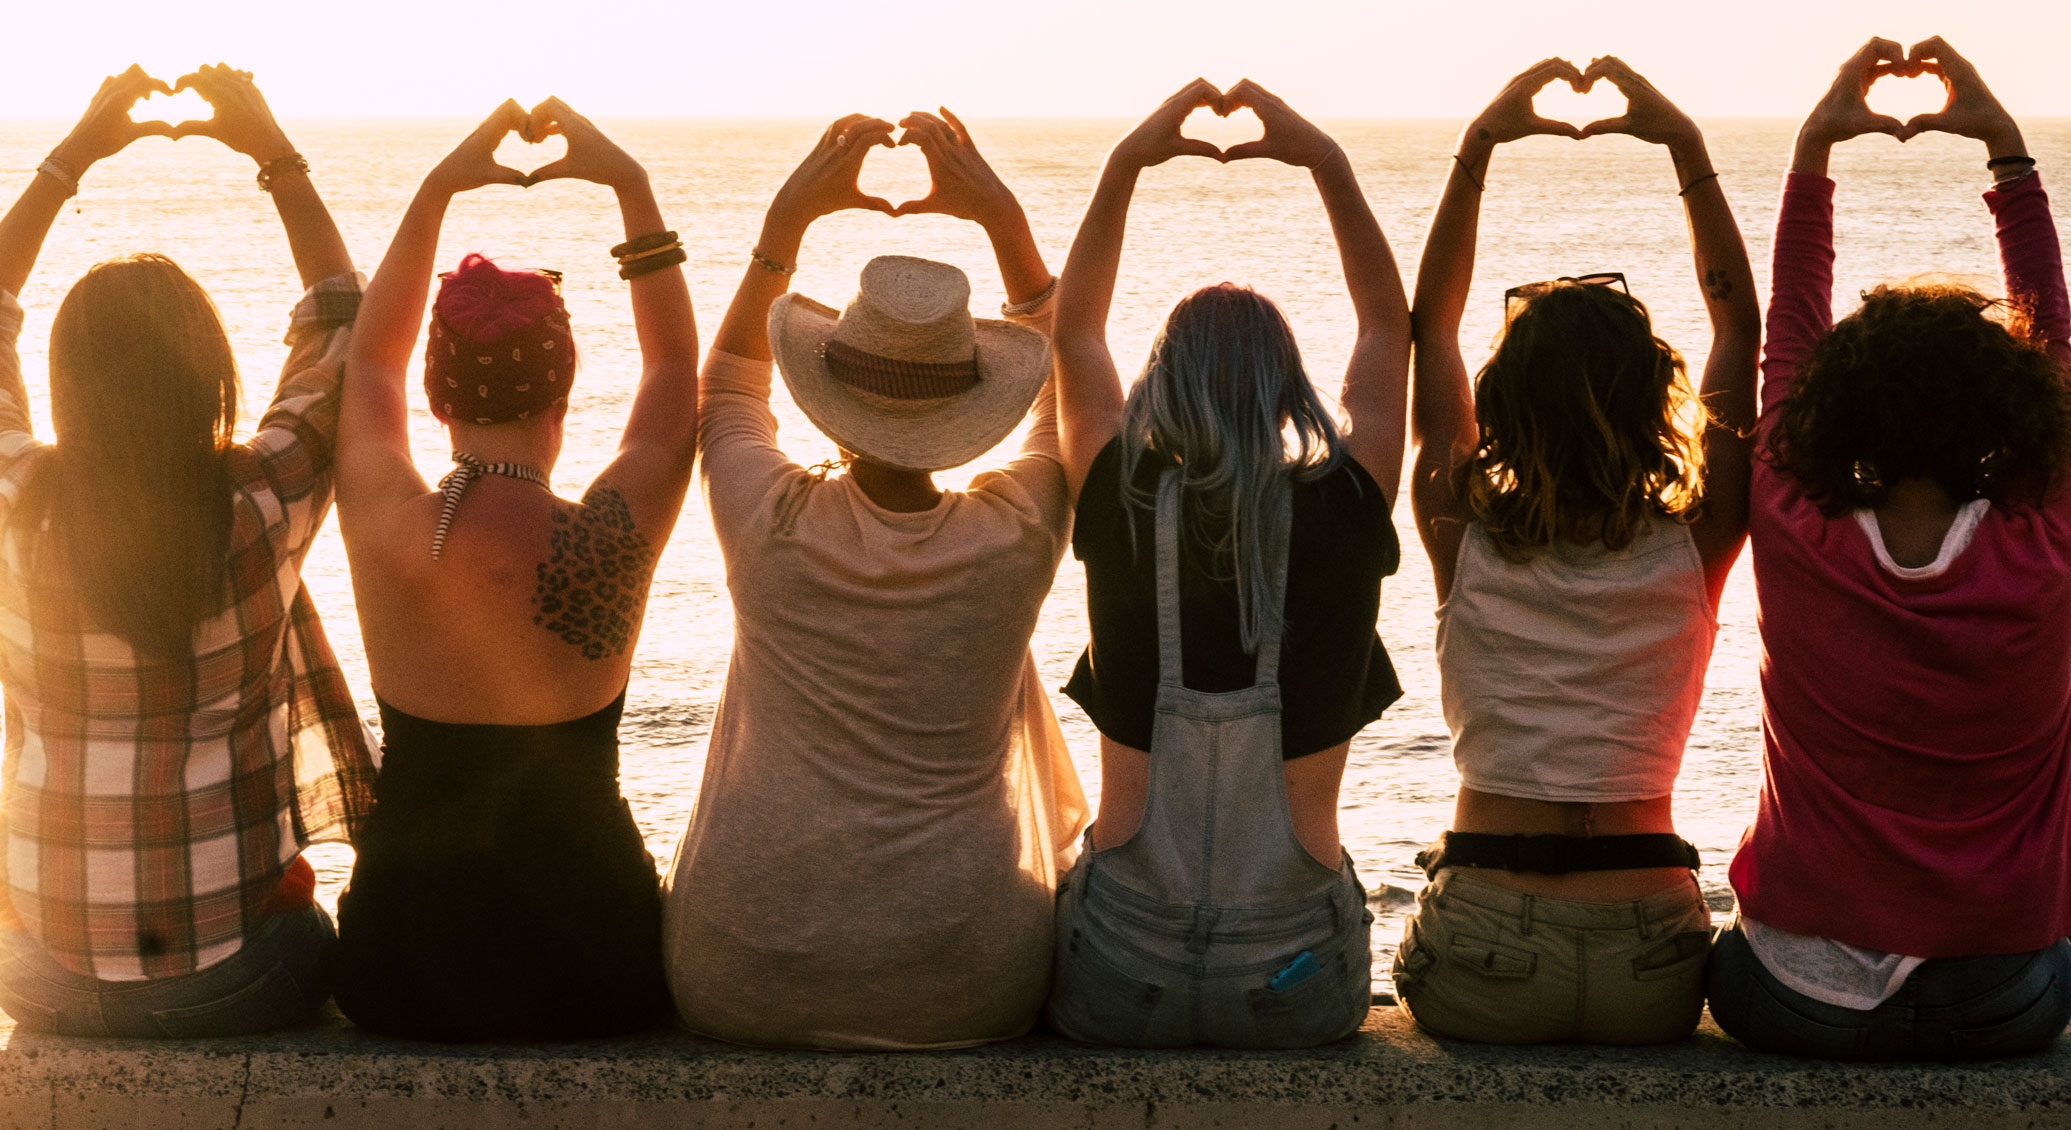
(501, 889)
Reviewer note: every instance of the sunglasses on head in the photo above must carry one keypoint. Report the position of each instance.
(546, 273)
(1529, 291)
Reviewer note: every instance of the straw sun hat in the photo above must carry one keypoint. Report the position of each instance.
(905, 376)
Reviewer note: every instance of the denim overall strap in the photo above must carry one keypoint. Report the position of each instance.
(1171, 656)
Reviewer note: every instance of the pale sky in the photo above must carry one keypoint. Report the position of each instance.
(1022, 58)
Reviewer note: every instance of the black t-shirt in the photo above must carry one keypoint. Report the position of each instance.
(1334, 674)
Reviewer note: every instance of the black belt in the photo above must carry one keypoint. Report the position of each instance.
(1557, 855)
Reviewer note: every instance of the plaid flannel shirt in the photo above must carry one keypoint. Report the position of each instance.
(151, 808)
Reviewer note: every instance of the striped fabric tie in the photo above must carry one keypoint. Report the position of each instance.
(466, 470)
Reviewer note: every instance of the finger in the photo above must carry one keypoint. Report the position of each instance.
(1559, 128)
(924, 205)
(1602, 126)
(874, 204)
(552, 170)
(195, 127)
(1194, 147)
(839, 126)
(1613, 69)
(1242, 151)
(963, 133)
(1918, 124)
(1886, 50)
(152, 129)
(924, 131)
(1197, 94)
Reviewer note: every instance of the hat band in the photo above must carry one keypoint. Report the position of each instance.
(897, 379)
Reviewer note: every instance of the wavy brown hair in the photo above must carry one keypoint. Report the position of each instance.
(1928, 380)
(135, 502)
(1588, 425)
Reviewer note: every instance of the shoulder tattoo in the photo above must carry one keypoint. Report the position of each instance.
(597, 570)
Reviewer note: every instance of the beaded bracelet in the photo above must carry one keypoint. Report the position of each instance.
(648, 265)
(771, 265)
(642, 244)
(284, 164)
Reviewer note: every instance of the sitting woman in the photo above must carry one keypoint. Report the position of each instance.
(1233, 579)
(1581, 520)
(178, 730)
(502, 889)
(872, 861)
(1905, 890)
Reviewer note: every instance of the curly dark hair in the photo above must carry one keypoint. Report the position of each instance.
(1588, 425)
(1928, 380)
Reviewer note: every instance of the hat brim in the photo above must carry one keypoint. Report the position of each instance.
(923, 435)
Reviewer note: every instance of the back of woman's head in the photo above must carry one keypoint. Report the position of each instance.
(143, 395)
(1223, 394)
(1927, 381)
(1587, 425)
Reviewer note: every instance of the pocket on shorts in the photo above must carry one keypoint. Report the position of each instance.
(1677, 956)
(1096, 1001)
(2029, 1030)
(270, 1002)
(1493, 959)
(1313, 1012)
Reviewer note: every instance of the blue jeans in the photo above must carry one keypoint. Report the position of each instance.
(278, 978)
(1952, 1008)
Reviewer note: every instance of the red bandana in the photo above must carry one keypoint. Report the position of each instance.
(500, 347)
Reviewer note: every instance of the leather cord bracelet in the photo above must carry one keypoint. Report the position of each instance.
(1698, 181)
(2010, 159)
(1478, 186)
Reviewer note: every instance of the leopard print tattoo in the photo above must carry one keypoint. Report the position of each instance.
(1718, 284)
(590, 587)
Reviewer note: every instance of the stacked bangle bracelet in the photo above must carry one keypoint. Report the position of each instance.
(2011, 167)
(648, 254)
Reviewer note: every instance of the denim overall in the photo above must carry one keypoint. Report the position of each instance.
(1212, 925)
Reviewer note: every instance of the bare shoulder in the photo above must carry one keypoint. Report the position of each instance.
(592, 584)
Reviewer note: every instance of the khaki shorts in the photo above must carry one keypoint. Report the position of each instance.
(1482, 962)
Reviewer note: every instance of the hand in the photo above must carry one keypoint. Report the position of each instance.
(591, 155)
(1157, 139)
(1289, 138)
(825, 182)
(1971, 110)
(241, 120)
(961, 183)
(1844, 112)
(472, 163)
(1648, 115)
(1511, 116)
(105, 128)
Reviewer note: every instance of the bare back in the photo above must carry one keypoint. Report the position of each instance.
(528, 617)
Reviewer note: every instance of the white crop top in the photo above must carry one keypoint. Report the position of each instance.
(1575, 676)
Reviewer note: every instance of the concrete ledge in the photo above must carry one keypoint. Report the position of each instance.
(335, 1076)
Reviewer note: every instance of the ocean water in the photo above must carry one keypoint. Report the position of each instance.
(1553, 207)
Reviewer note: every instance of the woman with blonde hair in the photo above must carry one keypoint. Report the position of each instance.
(177, 727)
(1234, 539)
(1581, 518)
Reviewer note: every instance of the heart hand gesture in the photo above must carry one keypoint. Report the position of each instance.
(472, 163)
(1157, 140)
(825, 182)
(1649, 115)
(242, 120)
(1845, 110)
(1289, 138)
(591, 155)
(1511, 115)
(961, 183)
(105, 128)
(1971, 110)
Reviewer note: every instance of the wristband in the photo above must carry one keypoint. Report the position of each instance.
(62, 173)
(2010, 159)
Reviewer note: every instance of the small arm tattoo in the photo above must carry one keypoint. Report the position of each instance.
(590, 587)
(1718, 284)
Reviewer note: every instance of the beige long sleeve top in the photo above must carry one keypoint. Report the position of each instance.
(887, 802)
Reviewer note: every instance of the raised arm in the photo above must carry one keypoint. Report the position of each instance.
(1442, 403)
(102, 132)
(1801, 277)
(652, 469)
(2029, 252)
(1727, 283)
(1089, 390)
(375, 470)
(1377, 375)
(244, 122)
